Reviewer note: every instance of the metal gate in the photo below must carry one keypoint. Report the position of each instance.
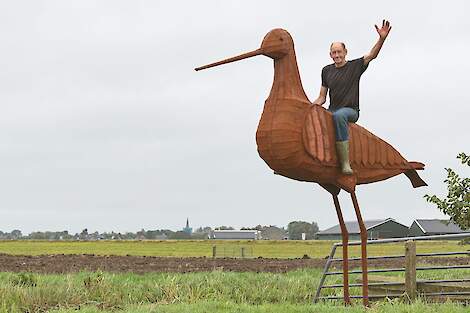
(331, 259)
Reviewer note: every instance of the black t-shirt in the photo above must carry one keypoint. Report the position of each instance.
(343, 83)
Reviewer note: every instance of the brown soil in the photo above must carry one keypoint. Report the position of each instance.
(140, 264)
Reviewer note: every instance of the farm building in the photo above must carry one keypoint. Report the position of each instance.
(376, 229)
(434, 227)
(235, 234)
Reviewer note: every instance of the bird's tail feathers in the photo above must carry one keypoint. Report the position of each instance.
(416, 165)
(413, 176)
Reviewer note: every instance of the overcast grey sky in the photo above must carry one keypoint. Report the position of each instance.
(104, 123)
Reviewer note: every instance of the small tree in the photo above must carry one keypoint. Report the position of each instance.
(84, 234)
(16, 234)
(296, 228)
(457, 202)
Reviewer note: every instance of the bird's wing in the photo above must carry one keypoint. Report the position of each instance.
(369, 151)
(318, 135)
(365, 149)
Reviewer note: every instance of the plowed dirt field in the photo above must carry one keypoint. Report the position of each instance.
(140, 264)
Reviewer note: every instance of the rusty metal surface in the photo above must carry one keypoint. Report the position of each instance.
(344, 236)
(367, 150)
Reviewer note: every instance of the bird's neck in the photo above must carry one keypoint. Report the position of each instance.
(287, 83)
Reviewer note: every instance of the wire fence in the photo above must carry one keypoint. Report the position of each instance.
(232, 251)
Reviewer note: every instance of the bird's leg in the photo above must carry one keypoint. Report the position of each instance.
(365, 283)
(344, 235)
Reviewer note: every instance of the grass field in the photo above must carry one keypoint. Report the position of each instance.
(199, 248)
(215, 291)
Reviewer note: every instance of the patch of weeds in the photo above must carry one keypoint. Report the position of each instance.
(24, 280)
(94, 280)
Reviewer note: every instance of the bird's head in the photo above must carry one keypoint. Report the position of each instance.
(276, 44)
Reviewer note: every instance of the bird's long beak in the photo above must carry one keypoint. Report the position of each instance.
(233, 59)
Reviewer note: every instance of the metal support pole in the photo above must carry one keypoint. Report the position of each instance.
(345, 237)
(362, 227)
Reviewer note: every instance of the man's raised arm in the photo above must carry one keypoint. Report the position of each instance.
(383, 33)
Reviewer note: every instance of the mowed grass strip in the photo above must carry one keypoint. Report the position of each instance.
(224, 248)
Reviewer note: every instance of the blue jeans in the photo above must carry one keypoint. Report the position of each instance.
(341, 117)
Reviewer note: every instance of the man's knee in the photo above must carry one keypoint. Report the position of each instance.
(339, 116)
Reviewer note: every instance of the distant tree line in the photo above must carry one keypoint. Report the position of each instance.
(293, 232)
(15, 234)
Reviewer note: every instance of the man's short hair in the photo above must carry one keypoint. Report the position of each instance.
(342, 44)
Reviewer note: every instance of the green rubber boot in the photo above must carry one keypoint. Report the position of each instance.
(342, 149)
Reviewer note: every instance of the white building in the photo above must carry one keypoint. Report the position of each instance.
(235, 234)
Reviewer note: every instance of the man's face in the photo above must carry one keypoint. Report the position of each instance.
(338, 53)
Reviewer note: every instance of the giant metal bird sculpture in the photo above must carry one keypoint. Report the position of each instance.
(296, 139)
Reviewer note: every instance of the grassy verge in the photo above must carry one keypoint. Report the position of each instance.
(192, 292)
(224, 307)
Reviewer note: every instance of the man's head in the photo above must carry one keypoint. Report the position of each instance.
(338, 53)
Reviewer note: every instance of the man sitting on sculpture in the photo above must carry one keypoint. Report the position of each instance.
(342, 80)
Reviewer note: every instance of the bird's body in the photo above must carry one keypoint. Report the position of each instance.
(296, 138)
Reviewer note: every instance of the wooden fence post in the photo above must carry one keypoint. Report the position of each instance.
(410, 269)
(243, 252)
(214, 250)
